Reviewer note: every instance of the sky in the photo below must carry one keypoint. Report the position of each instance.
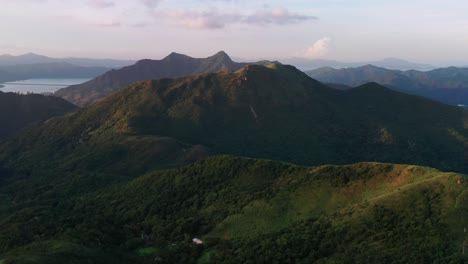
(426, 31)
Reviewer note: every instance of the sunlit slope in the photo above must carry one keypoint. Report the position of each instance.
(273, 112)
(248, 210)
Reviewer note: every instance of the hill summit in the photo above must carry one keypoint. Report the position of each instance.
(273, 111)
(174, 65)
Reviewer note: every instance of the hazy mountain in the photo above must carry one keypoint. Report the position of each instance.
(48, 70)
(31, 58)
(389, 63)
(174, 65)
(20, 111)
(448, 85)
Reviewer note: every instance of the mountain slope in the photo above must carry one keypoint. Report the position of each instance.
(174, 65)
(20, 111)
(447, 85)
(248, 211)
(273, 112)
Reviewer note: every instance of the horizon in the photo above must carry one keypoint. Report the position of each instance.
(239, 59)
(429, 32)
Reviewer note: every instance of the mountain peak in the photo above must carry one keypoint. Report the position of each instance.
(222, 56)
(372, 86)
(175, 56)
(32, 55)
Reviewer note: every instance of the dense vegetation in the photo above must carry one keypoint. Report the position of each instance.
(274, 112)
(245, 211)
(174, 65)
(105, 185)
(20, 111)
(447, 85)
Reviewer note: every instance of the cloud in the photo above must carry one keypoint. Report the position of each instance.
(101, 3)
(279, 16)
(151, 4)
(139, 25)
(319, 49)
(109, 23)
(205, 20)
(214, 19)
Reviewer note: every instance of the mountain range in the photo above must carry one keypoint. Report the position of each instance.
(32, 58)
(174, 65)
(388, 63)
(448, 85)
(267, 112)
(142, 176)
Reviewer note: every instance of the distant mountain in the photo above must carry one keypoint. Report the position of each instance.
(48, 70)
(389, 63)
(448, 85)
(32, 58)
(20, 111)
(174, 65)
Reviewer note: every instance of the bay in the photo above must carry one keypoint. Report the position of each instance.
(40, 85)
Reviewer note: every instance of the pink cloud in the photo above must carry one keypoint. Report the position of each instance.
(101, 3)
(214, 19)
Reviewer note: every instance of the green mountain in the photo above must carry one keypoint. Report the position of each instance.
(20, 111)
(274, 112)
(104, 184)
(174, 65)
(245, 211)
(447, 85)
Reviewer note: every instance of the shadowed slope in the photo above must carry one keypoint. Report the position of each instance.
(20, 111)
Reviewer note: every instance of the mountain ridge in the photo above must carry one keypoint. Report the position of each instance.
(112, 188)
(252, 111)
(447, 85)
(173, 65)
(356, 210)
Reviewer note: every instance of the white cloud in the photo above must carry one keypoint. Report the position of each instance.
(204, 20)
(278, 16)
(319, 49)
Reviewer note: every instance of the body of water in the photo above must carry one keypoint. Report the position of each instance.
(39, 85)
